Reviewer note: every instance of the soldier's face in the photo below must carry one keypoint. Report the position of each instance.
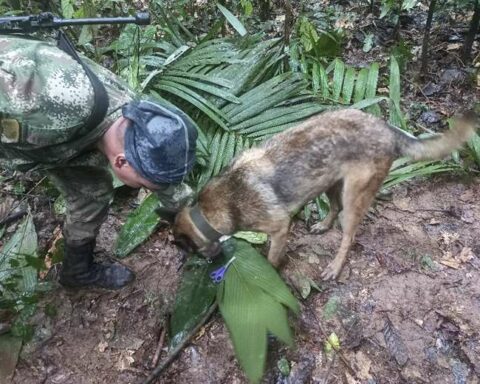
(127, 174)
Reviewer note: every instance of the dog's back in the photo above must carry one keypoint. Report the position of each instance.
(304, 161)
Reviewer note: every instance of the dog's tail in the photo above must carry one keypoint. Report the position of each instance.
(438, 146)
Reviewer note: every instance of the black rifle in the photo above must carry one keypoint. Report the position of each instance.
(46, 20)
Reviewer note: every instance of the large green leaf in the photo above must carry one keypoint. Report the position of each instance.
(193, 298)
(18, 260)
(240, 307)
(253, 300)
(260, 272)
(252, 237)
(140, 225)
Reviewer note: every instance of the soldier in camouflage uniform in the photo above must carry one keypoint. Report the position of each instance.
(46, 100)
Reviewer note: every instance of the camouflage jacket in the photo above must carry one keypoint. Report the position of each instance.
(45, 98)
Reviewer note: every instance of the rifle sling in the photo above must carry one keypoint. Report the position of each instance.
(101, 102)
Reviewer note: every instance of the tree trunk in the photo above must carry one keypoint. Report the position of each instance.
(472, 32)
(289, 21)
(264, 9)
(426, 37)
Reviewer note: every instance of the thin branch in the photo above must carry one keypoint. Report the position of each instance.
(173, 354)
(472, 32)
(29, 193)
(161, 341)
(426, 37)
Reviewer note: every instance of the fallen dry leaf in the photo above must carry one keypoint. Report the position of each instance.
(57, 235)
(125, 360)
(395, 345)
(363, 364)
(350, 379)
(5, 208)
(102, 346)
(468, 217)
(449, 238)
(454, 46)
(466, 255)
(451, 263)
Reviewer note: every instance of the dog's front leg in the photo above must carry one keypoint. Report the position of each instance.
(278, 242)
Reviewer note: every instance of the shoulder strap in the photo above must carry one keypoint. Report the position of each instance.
(101, 102)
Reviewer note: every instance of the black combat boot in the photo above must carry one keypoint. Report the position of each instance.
(79, 270)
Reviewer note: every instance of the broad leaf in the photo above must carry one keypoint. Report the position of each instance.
(139, 225)
(252, 237)
(253, 300)
(193, 298)
(16, 259)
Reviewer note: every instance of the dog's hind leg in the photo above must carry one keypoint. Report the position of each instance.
(333, 194)
(361, 183)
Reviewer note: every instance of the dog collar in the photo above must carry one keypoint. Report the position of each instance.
(203, 225)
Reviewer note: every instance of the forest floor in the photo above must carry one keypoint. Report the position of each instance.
(411, 290)
(406, 307)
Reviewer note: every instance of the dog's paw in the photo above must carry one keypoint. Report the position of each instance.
(331, 272)
(319, 228)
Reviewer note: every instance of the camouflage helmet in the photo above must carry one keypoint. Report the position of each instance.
(46, 96)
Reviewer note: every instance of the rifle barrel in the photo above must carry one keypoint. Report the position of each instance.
(141, 18)
(18, 23)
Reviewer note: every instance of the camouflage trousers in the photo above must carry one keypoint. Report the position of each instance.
(88, 190)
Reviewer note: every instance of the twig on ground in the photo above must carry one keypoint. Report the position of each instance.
(15, 206)
(13, 216)
(173, 354)
(161, 340)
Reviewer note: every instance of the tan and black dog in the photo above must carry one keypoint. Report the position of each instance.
(345, 153)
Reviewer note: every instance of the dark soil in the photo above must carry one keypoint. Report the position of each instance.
(395, 274)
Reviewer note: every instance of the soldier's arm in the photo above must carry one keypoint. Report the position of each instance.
(172, 199)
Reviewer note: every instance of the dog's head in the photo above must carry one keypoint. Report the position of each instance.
(190, 239)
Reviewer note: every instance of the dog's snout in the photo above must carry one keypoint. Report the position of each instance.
(212, 251)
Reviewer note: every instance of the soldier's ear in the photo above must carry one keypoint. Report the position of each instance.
(120, 161)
